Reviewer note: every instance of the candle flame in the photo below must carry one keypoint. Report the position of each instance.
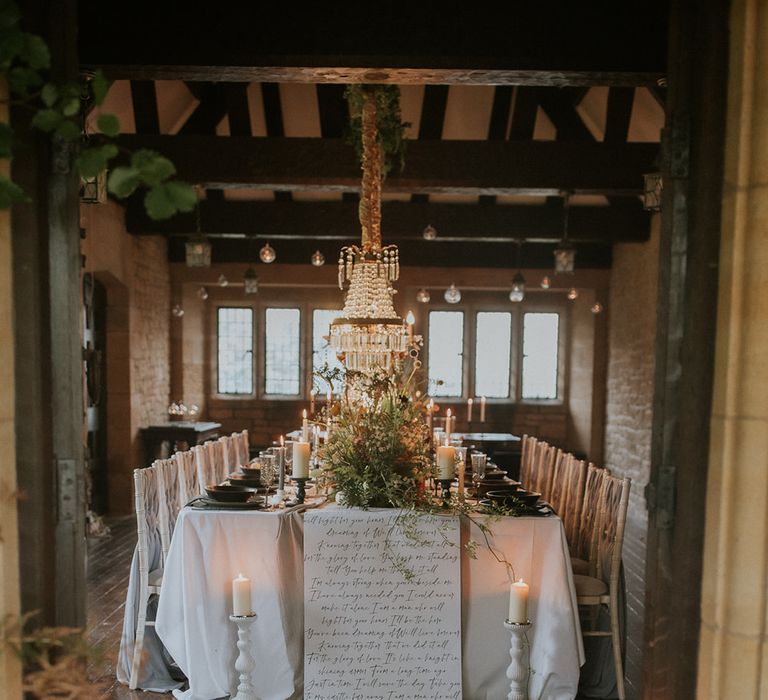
(282, 441)
(470, 401)
(304, 413)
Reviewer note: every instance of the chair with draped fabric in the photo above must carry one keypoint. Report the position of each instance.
(214, 460)
(240, 440)
(190, 486)
(603, 589)
(205, 474)
(149, 515)
(173, 497)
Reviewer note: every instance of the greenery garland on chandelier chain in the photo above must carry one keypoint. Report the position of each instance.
(60, 110)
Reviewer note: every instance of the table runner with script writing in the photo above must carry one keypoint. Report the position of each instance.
(368, 631)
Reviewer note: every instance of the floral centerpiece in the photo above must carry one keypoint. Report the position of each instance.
(378, 450)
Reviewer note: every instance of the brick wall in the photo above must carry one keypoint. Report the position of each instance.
(629, 407)
(150, 350)
(135, 274)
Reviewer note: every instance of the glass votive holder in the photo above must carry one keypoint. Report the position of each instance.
(479, 461)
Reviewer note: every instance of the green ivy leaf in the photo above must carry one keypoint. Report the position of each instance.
(70, 106)
(182, 194)
(168, 198)
(49, 94)
(108, 124)
(21, 79)
(100, 86)
(35, 53)
(46, 119)
(68, 130)
(154, 168)
(92, 161)
(6, 140)
(10, 193)
(123, 181)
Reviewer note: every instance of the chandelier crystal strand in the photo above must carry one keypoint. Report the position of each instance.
(369, 334)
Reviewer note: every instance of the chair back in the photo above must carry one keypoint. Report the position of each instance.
(188, 476)
(172, 499)
(201, 466)
(240, 441)
(527, 446)
(612, 518)
(575, 478)
(215, 461)
(593, 484)
(148, 514)
(558, 486)
(543, 467)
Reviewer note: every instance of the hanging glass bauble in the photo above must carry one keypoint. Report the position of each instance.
(452, 295)
(267, 253)
(429, 233)
(318, 258)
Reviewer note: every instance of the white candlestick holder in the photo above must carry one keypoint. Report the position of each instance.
(519, 667)
(245, 663)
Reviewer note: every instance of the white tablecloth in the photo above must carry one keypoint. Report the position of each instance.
(209, 548)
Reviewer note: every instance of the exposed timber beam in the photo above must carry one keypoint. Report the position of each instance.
(338, 221)
(412, 252)
(522, 44)
(451, 167)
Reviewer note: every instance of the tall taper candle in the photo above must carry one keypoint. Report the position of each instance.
(304, 426)
(518, 602)
(469, 410)
(482, 409)
(281, 463)
(241, 596)
(430, 407)
(446, 456)
(312, 395)
(448, 426)
(301, 460)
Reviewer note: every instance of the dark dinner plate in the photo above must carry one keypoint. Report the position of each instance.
(205, 503)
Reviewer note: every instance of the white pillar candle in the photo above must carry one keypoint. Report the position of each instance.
(482, 409)
(312, 395)
(518, 602)
(448, 426)
(241, 596)
(445, 462)
(304, 426)
(469, 410)
(281, 465)
(301, 460)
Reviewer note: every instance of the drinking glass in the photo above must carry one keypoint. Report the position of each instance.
(478, 468)
(267, 463)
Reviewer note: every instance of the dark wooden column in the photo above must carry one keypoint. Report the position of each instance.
(693, 144)
(46, 240)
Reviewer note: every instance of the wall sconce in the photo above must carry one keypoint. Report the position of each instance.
(422, 296)
(429, 233)
(518, 288)
(652, 189)
(93, 190)
(267, 254)
(318, 259)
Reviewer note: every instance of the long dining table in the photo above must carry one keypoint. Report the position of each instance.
(210, 547)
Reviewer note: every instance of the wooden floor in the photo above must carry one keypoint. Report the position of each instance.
(109, 559)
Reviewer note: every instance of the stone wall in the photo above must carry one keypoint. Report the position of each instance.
(629, 407)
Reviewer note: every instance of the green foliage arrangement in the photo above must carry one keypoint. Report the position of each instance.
(378, 451)
(389, 124)
(59, 110)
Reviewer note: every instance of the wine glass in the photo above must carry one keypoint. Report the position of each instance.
(479, 460)
(267, 463)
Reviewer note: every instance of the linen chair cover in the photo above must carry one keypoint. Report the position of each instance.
(215, 455)
(173, 498)
(240, 441)
(188, 476)
(229, 459)
(604, 589)
(203, 466)
(141, 660)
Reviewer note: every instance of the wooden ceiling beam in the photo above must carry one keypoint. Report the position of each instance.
(401, 221)
(453, 167)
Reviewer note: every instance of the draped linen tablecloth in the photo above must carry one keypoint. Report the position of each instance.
(209, 548)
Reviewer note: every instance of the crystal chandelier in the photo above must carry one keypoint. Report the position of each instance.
(369, 334)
